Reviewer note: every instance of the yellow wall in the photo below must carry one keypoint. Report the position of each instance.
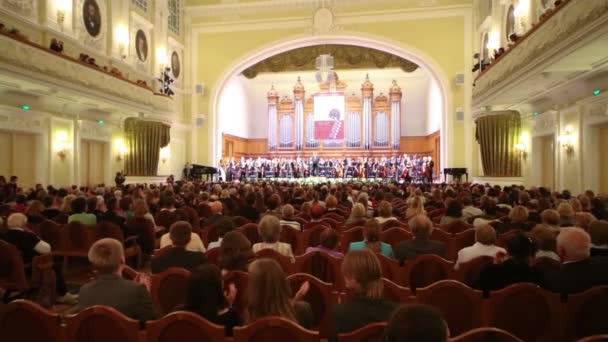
(603, 160)
(442, 39)
(570, 162)
(62, 169)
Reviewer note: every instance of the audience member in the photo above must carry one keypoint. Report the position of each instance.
(385, 210)
(469, 211)
(216, 210)
(485, 245)
(371, 240)
(453, 213)
(416, 323)
(223, 227)
(235, 252)
(194, 245)
(358, 215)
(270, 231)
(328, 241)
(598, 231)
(79, 206)
(248, 211)
(110, 289)
(546, 243)
(416, 208)
(178, 256)
(287, 212)
(421, 227)
(551, 219)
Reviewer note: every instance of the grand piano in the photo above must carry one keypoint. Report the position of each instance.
(198, 171)
(456, 173)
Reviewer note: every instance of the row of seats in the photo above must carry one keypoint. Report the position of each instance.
(523, 309)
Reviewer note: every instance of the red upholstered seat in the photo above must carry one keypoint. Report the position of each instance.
(26, 321)
(459, 304)
(459, 241)
(144, 230)
(525, 310)
(393, 223)
(393, 236)
(396, 293)
(424, 270)
(321, 297)
(292, 237)
(213, 255)
(240, 280)
(250, 230)
(321, 265)
(12, 270)
(456, 227)
(274, 329)
(101, 324)
(505, 237)
(468, 272)
(183, 326)
(350, 235)
(311, 237)
(486, 335)
(390, 267)
(586, 313)
(169, 288)
(334, 216)
(594, 338)
(369, 333)
(284, 261)
(240, 221)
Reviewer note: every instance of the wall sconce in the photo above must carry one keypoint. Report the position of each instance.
(63, 6)
(522, 150)
(122, 150)
(122, 38)
(567, 139)
(62, 145)
(161, 57)
(165, 154)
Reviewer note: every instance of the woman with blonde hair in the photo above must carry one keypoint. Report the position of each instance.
(66, 206)
(566, 214)
(385, 209)
(371, 234)
(363, 279)
(269, 294)
(416, 208)
(358, 215)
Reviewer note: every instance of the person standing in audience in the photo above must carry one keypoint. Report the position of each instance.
(598, 230)
(30, 246)
(511, 269)
(287, 212)
(421, 227)
(363, 279)
(328, 241)
(546, 243)
(371, 241)
(385, 210)
(579, 272)
(110, 289)
(270, 231)
(194, 245)
(235, 252)
(178, 256)
(207, 298)
(268, 294)
(416, 323)
(79, 206)
(485, 245)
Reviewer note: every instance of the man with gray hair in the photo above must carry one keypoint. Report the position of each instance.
(578, 272)
(421, 227)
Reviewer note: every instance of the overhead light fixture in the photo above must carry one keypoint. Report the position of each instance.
(567, 139)
(25, 107)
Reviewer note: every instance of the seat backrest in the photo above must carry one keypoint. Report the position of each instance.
(372, 332)
(106, 229)
(396, 293)
(240, 221)
(390, 267)
(274, 329)
(183, 326)
(51, 232)
(459, 304)
(284, 261)
(312, 237)
(586, 313)
(169, 288)
(486, 334)
(456, 227)
(321, 265)
(468, 272)
(80, 237)
(321, 297)
(144, 230)
(333, 223)
(393, 236)
(310, 225)
(166, 218)
(441, 235)
(538, 321)
(250, 230)
(101, 324)
(22, 320)
(505, 237)
(334, 216)
(190, 215)
(12, 274)
(213, 255)
(240, 280)
(546, 265)
(350, 235)
(291, 236)
(426, 269)
(459, 241)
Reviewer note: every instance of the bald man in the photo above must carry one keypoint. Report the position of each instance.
(485, 237)
(421, 227)
(578, 272)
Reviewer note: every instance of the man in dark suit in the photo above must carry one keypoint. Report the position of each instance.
(110, 289)
(421, 227)
(579, 272)
(178, 256)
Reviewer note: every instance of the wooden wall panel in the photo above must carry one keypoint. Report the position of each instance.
(18, 157)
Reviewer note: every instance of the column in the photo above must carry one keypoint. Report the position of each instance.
(298, 95)
(395, 97)
(367, 92)
(273, 100)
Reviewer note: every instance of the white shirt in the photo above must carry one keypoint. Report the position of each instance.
(42, 247)
(293, 224)
(478, 249)
(471, 211)
(547, 254)
(215, 244)
(195, 244)
(381, 220)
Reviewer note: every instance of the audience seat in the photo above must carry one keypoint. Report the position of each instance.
(459, 241)
(586, 313)
(351, 235)
(311, 237)
(440, 235)
(310, 225)
(213, 255)
(393, 236)
(101, 324)
(331, 222)
(392, 224)
(26, 321)
(183, 326)
(504, 238)
(424, 270)
(546, 265)
(459, 304)
(370, 332)
(240, 221)
(240, 280)
(456, 227)
(468, 272)
(321, 297)
(292, 237)
(486, 335)
(144, 230)
(390, 267)
(250, 230)
(169, 288)
(322, 266)
(594, 338)
(284, 261)
(336, 217)
(166, 218)
(274, 329)
(12, 269)
(525, 310)
(187, 213)
(396, 293)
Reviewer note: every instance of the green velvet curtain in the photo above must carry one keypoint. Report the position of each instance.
(144, 139)
(497, 135)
